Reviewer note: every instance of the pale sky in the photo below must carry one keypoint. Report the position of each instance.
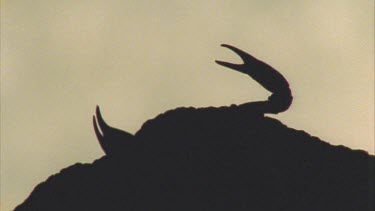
(136, 59)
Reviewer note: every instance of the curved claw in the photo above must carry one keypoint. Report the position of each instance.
(99, 136)
(261, 72)
(111, 140)
(246, 58)
(230, 65)
(266, 76)
(96, 129)
(104, 127)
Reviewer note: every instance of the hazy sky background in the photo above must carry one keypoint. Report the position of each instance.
(59, 59)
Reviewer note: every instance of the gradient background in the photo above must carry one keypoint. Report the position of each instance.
(139, 58)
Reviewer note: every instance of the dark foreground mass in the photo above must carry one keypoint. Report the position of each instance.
(253, 163)
(228, 158)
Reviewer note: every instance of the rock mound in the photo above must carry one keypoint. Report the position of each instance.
(199, 159)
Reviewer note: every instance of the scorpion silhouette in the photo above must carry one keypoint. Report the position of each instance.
(112, 140)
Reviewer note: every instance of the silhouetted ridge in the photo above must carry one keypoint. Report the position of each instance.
(256, 164)
(227, 158)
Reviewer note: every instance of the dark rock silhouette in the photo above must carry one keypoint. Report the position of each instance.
(227, 158)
